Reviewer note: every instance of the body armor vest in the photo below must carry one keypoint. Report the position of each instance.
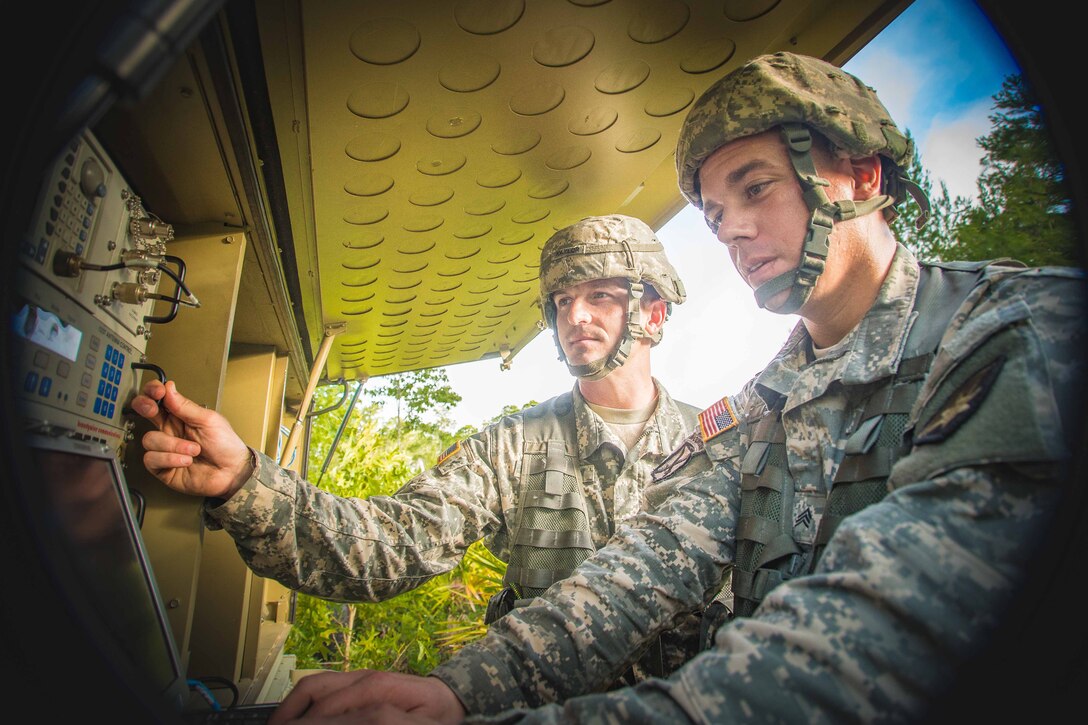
(768, 549)
(551, 529)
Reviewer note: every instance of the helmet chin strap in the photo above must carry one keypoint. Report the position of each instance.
(598, 369)
(802, 279)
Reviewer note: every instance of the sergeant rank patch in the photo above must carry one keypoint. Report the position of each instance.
(963, 403)
(717, 419)
(448, 452)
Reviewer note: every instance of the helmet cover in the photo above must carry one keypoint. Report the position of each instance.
(779, 88)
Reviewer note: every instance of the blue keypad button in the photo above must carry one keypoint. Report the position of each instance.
(45, 386)
(31, 382)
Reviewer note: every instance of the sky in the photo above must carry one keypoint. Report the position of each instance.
(936, 68)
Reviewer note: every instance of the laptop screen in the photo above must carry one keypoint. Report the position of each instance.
(92, 520)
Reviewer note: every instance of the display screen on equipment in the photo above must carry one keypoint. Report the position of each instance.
(43, 327)
(92, 522)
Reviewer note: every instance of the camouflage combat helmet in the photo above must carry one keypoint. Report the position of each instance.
(606, 247)
(795, 94)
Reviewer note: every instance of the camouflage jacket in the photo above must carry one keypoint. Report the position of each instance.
(907, 590)
(352, 549)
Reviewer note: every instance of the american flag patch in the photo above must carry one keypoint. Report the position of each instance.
(718, 418)
(448, 452)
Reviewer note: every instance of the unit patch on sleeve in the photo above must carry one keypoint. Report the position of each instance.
(963, 403)
(717, 419)
(444, 455)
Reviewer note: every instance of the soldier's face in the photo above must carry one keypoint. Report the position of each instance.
(751, 195)
(590, 318)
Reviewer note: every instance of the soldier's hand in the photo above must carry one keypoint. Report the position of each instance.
(375, 695)
(192, 450)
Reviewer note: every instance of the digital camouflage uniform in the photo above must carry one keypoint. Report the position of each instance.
(905, 590)
(353, 549)
(864, 609)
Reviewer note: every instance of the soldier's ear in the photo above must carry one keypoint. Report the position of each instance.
(655, 314)
(867, 176)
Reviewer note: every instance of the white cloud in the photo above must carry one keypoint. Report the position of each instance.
(950, 151)
(898, 84)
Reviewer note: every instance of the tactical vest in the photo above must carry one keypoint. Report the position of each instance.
(769, 547)
(551, 528)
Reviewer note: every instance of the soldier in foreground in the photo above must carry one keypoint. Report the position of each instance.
(543, 487)
(880, 488)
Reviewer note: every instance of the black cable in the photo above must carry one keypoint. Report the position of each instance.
(177, 278)
(168, 298)
(102, 267)
(175, 301)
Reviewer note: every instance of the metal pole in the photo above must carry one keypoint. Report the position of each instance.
(340, 430)
(331, 331)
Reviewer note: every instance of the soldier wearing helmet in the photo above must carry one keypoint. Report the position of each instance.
(878, 491)
(543, 487)
(612, 247)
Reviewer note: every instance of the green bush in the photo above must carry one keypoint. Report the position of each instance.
(417, 630)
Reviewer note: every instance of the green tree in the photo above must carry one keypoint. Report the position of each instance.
(423, 398)
(1024, 209)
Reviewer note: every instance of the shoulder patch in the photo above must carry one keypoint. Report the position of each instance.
(447, 453)
(963, 403)
(676, 460)
(717, 419)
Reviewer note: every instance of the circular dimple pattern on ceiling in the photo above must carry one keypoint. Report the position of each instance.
(516, 141)
(548, 189)
(372, 147)
(530, 216)
(472, 229)
(563, 46)
(423, 223)
(536, 99)
(592, 120)
(364, 239)
(469, 74)
(361, 265)
(453, 123)
(568, 158)
(369, 185)
(357, 280)
(743, 10)
(366, 215)
(638, 140)
(412, 246)
(378, 100)
(431, 196)
(385, 41)
(622, 77)
(498, 176)
(516, 237)
(485, 206)
(708, 56)
(440, 164)
(486, 17)
(668, 102)
(658, 20)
